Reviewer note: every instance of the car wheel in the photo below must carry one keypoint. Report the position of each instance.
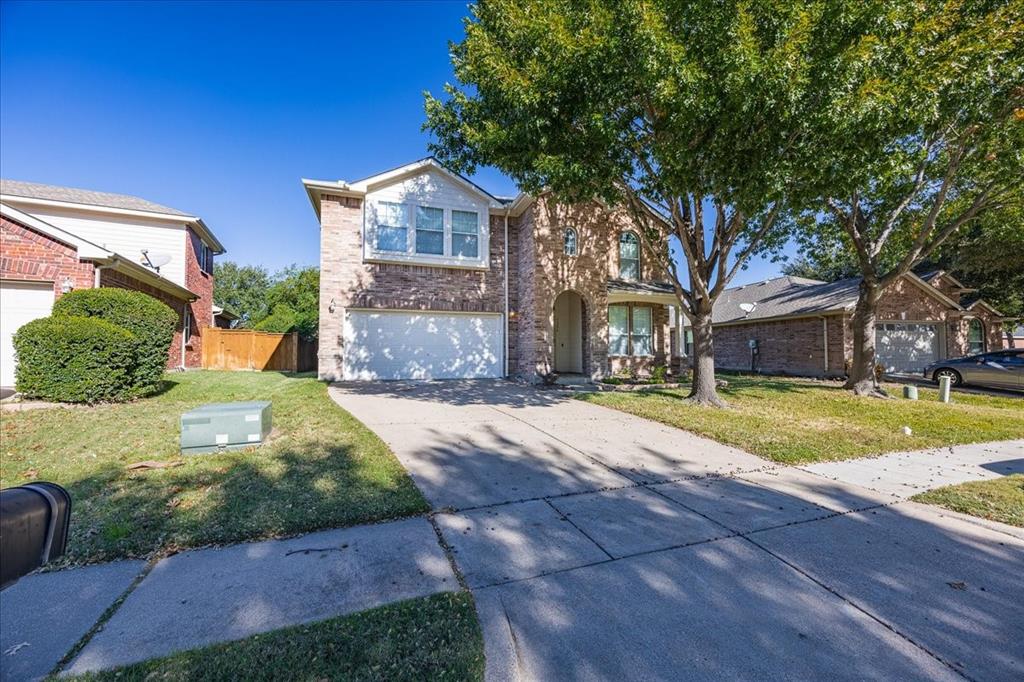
(954, 376)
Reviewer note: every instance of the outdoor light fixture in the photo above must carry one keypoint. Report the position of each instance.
(330, 306)
(67, 285)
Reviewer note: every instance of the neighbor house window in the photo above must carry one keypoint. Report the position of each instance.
(618, 330)
(430, 230)
(392, 227)
(975, 337)
(570, 242)
(688, 342)
(641, 332)
(629, 256)
(465, 234)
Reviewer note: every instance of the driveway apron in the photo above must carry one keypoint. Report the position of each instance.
(600, 545)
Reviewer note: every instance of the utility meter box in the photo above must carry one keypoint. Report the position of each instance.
(225, 426)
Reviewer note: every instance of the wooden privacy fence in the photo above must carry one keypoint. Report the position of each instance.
(238, 349)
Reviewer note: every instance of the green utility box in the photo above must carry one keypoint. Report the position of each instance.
(225, 426)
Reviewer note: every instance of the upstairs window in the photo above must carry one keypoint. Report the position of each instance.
(570, 242)
(430, 230)
(392, 227)
(629, 256)
(205, 258)
(975, 337)
(465, 234)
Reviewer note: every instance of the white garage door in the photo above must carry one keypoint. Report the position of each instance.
(424, 345)
(20, 302)
(903, 347)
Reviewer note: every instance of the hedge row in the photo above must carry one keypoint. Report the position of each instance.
(99, 345)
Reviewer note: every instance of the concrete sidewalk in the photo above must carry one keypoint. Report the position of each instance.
(904, 474)
(207, 596)
(600, 545)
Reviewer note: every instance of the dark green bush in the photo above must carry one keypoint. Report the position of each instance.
(150, 322)
(75, 360)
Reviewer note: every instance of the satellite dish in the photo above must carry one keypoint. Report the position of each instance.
(748, 307)
(155, 260)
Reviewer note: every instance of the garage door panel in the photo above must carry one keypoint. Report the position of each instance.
(906, 346)
(20, 303)
(399, 345)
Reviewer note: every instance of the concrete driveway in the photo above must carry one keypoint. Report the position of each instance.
(603, 546)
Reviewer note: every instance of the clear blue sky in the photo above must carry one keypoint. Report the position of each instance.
(219, 109)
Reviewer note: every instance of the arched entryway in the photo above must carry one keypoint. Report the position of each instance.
(570, 325)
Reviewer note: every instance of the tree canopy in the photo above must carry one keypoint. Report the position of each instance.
(690, 113)
(288, 300)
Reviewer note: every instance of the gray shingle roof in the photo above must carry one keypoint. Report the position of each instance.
(32, 190)
(784, 296)
(627, 287)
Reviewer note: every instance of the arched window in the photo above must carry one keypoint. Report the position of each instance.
(975, 337)
(629, 256)
(570, 241)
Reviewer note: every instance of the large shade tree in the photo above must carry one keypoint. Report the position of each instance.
(690, 113)
(929, 143)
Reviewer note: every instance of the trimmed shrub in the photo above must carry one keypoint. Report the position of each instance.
(150, 322)
(75, 360)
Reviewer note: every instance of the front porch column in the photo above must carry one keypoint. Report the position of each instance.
(680, 342)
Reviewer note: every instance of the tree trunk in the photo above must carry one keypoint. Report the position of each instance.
(861, 378)
(703, 391)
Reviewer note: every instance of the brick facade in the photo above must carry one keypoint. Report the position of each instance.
(797, 345)
(348, 282)
(539, 271)
(27, 255)
(545, 271)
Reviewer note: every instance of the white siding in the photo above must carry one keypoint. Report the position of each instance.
(429, 188)
(127, 236)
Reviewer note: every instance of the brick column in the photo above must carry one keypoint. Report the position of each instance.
(340, 249)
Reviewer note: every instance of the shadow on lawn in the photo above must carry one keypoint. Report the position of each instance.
(232, 497)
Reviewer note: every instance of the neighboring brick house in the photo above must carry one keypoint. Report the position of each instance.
(792, 325)
(57, 239)
(423, 274)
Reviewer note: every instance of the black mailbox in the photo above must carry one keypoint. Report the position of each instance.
(34, 522)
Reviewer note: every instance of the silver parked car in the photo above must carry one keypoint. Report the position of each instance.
(998, 369)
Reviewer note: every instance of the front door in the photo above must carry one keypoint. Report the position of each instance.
(569, 333)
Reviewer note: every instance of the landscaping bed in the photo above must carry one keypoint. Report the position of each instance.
(997, 499)
(322, 468)
(427, 638)
(797, 421)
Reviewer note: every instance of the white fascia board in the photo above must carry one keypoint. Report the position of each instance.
(85, 248)
(642, 297)
(125, 265)
(316, 188)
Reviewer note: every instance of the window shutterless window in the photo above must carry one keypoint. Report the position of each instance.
(430, 230)
(570, 242)
(688, 342)
(641, 332)
(618, 330)
(465, 234)
(629, 256)
(392, 227)
(975, 337)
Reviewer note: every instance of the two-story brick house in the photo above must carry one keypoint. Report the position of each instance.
(57, 239)
(424, 274)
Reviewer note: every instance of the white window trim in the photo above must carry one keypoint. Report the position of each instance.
(372, 255)
(629, 333)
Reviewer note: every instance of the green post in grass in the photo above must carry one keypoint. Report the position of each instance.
(944, 385)
(910, 392)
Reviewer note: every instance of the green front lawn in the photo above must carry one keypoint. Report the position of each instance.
(430, 638)
(321, 468)
(997, 499)
(796, 421)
